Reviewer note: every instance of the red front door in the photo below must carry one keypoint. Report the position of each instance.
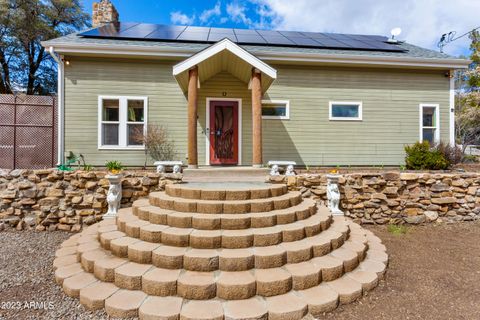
(223, 132)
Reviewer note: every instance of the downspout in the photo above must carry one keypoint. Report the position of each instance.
(60, 107)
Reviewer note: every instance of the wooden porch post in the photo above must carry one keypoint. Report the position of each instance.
(192, 117)
(257, 118)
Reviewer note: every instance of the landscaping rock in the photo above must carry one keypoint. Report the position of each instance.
(431, 215)
(415, 219)
(41, 199)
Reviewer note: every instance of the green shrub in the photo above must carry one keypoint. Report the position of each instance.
(421, 157)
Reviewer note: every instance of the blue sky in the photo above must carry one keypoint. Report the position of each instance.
(422, 21)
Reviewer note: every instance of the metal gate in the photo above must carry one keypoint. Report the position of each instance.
(27, 131)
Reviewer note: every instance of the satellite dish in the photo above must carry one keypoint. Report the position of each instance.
(395, 32)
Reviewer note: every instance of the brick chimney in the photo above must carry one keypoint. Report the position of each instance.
(104, 12)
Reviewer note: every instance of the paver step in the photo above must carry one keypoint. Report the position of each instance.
(169, 257)
(228, 285)
(225, 221)
(274, 302)
(235, 191)
(164, 201)
(201, 259)
(134, 227)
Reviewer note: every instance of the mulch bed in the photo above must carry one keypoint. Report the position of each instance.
(434, 273)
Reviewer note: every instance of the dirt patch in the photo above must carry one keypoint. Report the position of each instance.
(434, 273)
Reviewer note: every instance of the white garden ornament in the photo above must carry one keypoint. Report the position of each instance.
(290, 170)
(274, 171)
(333, 195)
(114, 196)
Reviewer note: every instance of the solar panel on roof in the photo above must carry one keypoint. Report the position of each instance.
(251, 39)
(152, 32)
(246, 31)
(193, 36)
(166, 33)
(139, 31)
(304, 41)
(109, 30)
(278, 40)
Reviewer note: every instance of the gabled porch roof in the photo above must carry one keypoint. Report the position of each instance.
(224, 56)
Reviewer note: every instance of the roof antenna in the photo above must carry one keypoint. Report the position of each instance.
(395, 32)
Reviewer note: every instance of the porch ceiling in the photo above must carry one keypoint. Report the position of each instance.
(224, 56)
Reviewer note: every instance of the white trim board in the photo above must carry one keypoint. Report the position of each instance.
(346, 103)
(437, 116)
(122, 121)
(207, 125)
(452, 110)
(286, 103)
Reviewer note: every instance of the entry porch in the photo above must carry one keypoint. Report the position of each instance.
(224, 85)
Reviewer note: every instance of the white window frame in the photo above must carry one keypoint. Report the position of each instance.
(286, 103)
(122, 122)
(437, 116)
(347, 103)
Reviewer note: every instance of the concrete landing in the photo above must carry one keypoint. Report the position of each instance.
(225, 174)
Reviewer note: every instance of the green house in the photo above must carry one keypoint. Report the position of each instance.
(244, 97)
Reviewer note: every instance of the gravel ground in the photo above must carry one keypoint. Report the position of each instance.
(28, 289)
(433, 274)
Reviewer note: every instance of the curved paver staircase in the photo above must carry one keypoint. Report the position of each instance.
(203, 252)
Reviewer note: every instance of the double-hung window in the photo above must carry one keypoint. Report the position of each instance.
(346, 111)
(122, 121)
(276, 109)
(429, 123)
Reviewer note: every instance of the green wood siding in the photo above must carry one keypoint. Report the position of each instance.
(390, 98)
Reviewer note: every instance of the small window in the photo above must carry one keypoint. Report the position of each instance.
(275, 109)
(350, 111)
(429, 123)
(122, 122)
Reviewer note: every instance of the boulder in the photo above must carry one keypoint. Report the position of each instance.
(439, 187)
(431, 215)
(444, 200)
(390, 176)
(408, 176)
(415, 219)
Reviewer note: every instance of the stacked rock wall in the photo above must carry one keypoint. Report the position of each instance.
(396, 197)
(52, 199)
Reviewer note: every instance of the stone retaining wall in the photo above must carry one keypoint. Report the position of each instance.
(52, 199)
(394, 197)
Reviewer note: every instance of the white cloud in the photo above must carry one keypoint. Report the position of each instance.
(422, 21)
(177, 17)
(237, 14)
(206, 15)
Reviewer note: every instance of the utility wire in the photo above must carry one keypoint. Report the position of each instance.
(447, 38)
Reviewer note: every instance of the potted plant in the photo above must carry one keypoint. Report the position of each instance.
(114, 167)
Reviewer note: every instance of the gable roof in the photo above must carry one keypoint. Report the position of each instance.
(214, 59)
(411, 56)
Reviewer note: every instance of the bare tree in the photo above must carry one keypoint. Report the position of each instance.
(157, 143)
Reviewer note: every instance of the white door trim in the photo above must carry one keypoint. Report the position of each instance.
(207, 125)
